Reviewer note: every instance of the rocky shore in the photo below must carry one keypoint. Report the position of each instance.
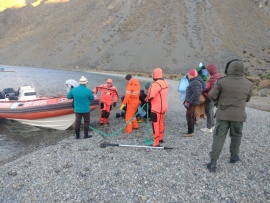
(80, 171)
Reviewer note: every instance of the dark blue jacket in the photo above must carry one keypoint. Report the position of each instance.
(194, 91)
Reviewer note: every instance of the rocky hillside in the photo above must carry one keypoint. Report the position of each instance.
(136, 35)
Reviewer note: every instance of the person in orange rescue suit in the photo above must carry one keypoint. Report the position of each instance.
(157, 96)
(108, 98)
(131, 101)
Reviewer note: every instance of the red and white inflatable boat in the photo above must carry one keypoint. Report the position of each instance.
(49, 112)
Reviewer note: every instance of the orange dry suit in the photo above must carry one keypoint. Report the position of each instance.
(108, 96)
(157, 95)
(132, 103)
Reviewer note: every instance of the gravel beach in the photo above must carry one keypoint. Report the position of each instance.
(81, 171)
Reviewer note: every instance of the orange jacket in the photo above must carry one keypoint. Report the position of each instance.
(108, 94)
(132, 92)
(157, 93)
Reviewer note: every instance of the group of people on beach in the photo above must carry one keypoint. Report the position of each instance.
(229, 94)
(202, 86)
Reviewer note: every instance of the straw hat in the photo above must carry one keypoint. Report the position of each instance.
(83, 80)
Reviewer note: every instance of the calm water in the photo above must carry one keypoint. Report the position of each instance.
(17, 139)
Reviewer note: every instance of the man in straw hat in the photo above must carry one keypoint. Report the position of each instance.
(82, 100)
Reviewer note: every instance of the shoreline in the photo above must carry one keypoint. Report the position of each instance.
(80, 171)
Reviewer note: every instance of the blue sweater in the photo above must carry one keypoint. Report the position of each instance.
(82, 98)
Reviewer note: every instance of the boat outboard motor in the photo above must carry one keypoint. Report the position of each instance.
(2, 96)
(9, 93)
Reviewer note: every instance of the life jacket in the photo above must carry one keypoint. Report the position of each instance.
(108, 94)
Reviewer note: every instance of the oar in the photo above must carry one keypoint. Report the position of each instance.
(104, 145)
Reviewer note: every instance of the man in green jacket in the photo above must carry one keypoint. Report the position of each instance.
(82, 100)
(230, 94)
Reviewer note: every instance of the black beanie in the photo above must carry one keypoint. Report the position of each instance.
(128, 77)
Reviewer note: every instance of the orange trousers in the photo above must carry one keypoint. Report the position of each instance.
(158, 126)
(130, 112)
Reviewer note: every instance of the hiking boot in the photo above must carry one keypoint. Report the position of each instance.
(161, 141)
(212, 166)
(86, 134)
(155, 146)
(101, 123)
(188, 134)
(234, 158)
(77, 134)
(207, 130)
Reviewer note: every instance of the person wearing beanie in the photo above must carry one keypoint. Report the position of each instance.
(192, 99)
(157, 96)
(209, 104)
(131, 101)
(128, 77)
(82, 97)
(108, 98)
(230, 94)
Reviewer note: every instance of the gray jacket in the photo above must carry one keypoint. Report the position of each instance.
(231, 93)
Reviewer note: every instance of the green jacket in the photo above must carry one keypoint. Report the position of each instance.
(82, 98)
(231, 93)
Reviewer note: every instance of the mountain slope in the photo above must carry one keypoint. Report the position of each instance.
(137, 35)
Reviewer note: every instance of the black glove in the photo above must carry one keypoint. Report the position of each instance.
(114, 104)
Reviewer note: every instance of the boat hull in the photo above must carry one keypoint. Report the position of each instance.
(49, 112)
(58, 122)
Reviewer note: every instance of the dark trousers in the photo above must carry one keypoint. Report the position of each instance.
(219, 136)
(209, 111)
(86, 117)
(190, 116)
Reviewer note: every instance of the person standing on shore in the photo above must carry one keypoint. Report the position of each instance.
(82, 97)
(157, 96)
(132, 102)
(192, 99)
(108, 98)
(209, 104)
(230, 94)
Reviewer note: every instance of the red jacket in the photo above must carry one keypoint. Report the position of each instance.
(108, 94)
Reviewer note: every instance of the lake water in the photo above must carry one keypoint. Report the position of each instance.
(17, 139)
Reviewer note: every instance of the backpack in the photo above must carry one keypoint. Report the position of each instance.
(183, 84)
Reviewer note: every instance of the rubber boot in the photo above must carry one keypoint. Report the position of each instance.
(212, 166)
(86, 134)
(234, 158)
(77, 134)
(107, 117)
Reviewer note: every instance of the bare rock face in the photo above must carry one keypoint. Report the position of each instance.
(137, 35)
